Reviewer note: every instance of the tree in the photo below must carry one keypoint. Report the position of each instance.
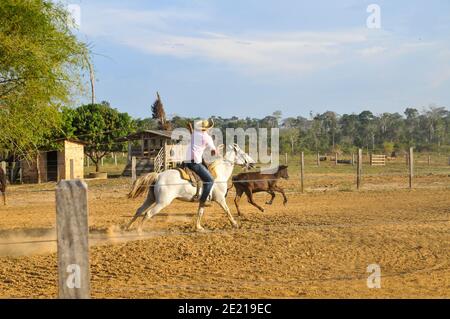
(99, 126)
(277, 115)
(146, 124)
(411, 125)
(159, 114)
(367, 128)
(40, 64)
(436, 123)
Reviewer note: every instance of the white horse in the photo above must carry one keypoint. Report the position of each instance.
(164, 187)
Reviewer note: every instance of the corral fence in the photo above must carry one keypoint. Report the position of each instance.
(377, 160)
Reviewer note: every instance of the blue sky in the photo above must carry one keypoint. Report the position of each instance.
(250, 58)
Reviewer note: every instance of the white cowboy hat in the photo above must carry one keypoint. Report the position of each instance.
(203, 125)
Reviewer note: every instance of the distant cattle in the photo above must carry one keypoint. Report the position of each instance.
(255, 182)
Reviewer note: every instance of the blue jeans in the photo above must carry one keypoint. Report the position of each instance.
(205, 176)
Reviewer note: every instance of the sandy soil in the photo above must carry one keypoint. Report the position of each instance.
(319, 245)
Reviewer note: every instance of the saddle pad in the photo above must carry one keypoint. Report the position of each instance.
(184, 175)
(189, 176)
(212, 169)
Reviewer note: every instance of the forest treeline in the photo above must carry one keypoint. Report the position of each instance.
(427, 130)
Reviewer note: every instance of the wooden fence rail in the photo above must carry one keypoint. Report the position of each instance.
(377, 160)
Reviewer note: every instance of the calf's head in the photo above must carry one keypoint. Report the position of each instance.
(283, 171)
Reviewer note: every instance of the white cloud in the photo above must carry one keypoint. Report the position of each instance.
(177, 33)
(264, 52)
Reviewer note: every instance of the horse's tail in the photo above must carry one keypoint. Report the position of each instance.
(142, 184)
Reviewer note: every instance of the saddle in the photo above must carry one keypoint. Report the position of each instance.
(189, 175)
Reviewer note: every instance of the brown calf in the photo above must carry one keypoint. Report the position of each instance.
(255, 182)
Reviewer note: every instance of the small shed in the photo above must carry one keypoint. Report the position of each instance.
(154, 150)
(53, 166)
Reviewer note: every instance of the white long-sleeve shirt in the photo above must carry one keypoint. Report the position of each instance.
(200, 141)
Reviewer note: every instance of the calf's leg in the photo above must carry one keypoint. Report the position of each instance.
(236, 200)
(251, 201)
(280, 190)
(272, 193)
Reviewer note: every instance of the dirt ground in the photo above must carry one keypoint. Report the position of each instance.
(319, 245)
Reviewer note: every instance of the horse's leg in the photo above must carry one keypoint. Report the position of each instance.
(223, 203)
(251, 201)
(141, 210)
(198, 223)
(152, 212)
(272, 193)
(280, 190)
(237, 199)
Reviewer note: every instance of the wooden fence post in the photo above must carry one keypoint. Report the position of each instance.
(359, 169)
(429, 160)
(286, 158)
(335, 158)
(302, 171)
(129, 151)
(115, 159)
(411, 166)
(73, 240)
(3, 166)
(318, 159)
(133, 168)
(353, 159)
(101, 161)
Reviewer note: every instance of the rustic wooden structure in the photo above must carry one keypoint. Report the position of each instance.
(56, 165)
(154, 150)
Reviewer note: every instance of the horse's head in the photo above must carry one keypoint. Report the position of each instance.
(240, 157)
(283, 171)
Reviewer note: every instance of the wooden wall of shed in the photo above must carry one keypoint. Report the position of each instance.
(75, 152)
(30, 171)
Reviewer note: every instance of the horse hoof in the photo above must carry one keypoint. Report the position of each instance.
(235, 225)
(200, 229)
(262, 210)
